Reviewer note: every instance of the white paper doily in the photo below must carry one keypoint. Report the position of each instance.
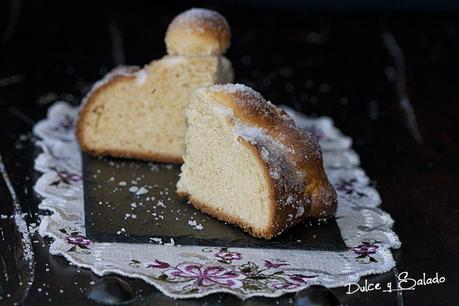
(196, 271)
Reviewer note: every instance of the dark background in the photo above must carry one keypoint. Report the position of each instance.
(386, 72)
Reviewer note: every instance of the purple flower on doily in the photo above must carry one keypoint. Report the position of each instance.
(301, 278)
(365, 250)
(194, 277)
(274, 265)
(205, 276)
(69, 177)
(316, 131)
(348, 187)
(345, 186)
(78, 240)
(281, 283)
(159, 265)
(65, 177)
(290, 282)
(228, 257)
(79, 243)
(67, 123)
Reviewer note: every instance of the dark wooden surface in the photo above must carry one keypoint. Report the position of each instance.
(401, 109)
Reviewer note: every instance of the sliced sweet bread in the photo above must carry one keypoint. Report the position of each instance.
(247, 163)
(140, 113)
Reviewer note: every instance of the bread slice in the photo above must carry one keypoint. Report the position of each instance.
(140, 113)
(247, 163)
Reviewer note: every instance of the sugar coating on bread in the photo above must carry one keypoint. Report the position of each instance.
(247, 163)
(139, 113)
(198, 32)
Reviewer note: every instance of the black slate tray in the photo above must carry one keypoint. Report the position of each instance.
(113, 213)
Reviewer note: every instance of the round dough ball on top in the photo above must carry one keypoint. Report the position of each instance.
(198, 32)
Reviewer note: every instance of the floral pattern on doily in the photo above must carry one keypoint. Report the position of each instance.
(365, 250)
(195, 271)
(77, 242)
(196, 277)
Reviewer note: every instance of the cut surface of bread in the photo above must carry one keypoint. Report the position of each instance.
(140, 113)
(248, 164)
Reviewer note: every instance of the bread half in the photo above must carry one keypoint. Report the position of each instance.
(140, 113)
(247, 163)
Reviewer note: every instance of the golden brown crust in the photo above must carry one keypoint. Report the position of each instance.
(302, 151)
(163, 158)
(198, 32)
(117, 75)
(212, 211)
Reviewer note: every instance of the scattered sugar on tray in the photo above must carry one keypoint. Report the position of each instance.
(156, 240)
(127, 216)
(171, 243)
(195, 225)
(141, 191)
(122, 230)
(153, 167)
(138, 191)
